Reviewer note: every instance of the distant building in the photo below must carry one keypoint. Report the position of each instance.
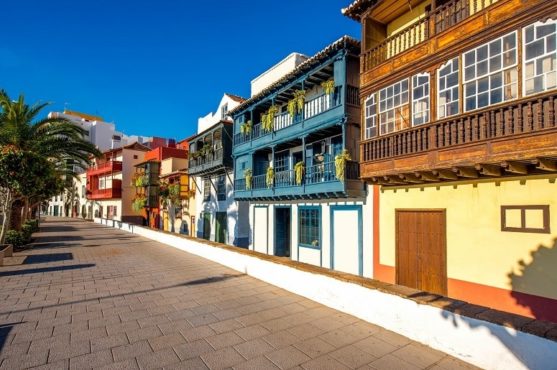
(219, 217)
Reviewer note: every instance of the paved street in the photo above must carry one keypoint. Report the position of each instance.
(87, 296)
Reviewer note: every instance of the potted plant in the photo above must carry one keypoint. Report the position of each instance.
(270, 178)
(248, 177)
(299, 172)
(340, 164)
(328, 86)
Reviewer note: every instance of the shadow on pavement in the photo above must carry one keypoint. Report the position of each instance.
(45, 258)
(46, 269)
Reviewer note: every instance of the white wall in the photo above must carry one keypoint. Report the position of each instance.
(277, 71)
(262, 238)
(212, 118)
(478, 342)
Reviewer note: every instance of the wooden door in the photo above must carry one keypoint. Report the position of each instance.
(421, 251)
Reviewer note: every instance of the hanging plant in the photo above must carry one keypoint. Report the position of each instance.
(300, 97)
(139, 202)
(140, 180)
(248, 174)
(268, 118)
(245, 128)
(340, 164)
(292, 107)
(299, 172)
(328, 86)
(270, 177)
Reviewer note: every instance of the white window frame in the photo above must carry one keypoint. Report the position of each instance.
(373, 117)
(396, 107)
(490, 73)
(426, 98)
(438, 72)
(524, 93)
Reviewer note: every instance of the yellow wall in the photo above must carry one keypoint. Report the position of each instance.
(477, 250)
(405, 20)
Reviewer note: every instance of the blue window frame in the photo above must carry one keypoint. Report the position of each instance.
(221, 188)
(207, 190)
(309, 226)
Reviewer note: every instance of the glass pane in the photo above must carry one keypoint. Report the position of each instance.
(529, 69)
(452, 79)
(550, 44)
(470, 103)
(551, 80)
(470, 89)
(469, 73)
(534, 49)
(481, 53)
(483, 100)
(404, 99)
(496, 96)
(482, 68)
(529, 34)
(495, 63)
(509, 58)
(495, 48)
(469, 58)
(509, 42)
(483, 84)
(545, 30)
(496, 80)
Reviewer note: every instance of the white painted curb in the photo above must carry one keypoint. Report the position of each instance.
(478, 342)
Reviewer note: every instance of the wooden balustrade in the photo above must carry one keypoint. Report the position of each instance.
(529, 115)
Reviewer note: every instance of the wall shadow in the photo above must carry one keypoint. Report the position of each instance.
(45, 258)
(536, 277)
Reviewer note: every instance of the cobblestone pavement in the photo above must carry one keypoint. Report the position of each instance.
(87, 296)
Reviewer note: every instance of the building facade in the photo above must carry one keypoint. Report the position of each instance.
(109, 186)
(459, 141)
(296, 163)
(219, 217)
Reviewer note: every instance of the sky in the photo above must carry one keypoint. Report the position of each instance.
(155, 67)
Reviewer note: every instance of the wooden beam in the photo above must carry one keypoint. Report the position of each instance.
(445, 174)
(409, 177)
(546, 164)
(393, 180)
(489, 169)
(518, 168)
(468, 172)
(427, 176)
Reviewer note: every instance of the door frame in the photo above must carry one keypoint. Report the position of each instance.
(358, 208)
(219, 226)
(443, 211)
(289, 207)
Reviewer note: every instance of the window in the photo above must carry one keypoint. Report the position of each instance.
(420, 99)
(371, 116)
(115, 211)
(525, 219)
(224, 111)
(540, 57)
(282, 161)
(393, 107)
(207, 190)
(221, 188)
(447, 89)
(83, 192)
(490, 73)
(309, 226)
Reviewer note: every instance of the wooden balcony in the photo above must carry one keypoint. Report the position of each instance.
(107, 167)
(115, 192)
(510, 139)
(211, 162)
(451, 28)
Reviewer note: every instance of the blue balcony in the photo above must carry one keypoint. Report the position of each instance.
(318, 182)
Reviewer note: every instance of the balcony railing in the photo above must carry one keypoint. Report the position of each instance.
(317, 174)
(112, 193)
(111, 166)
(209, 160)
(527, 115)
(312, 108)
(439, 20)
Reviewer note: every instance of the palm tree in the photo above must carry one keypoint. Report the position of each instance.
(54, 139)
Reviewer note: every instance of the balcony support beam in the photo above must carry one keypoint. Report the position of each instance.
(427, 176)
(513, 167)
(546, 164)
(467, 172)
(445, 174)
(489, 169)
(410, 178)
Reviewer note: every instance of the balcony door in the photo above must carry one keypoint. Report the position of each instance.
(421, 251)
(282, 231)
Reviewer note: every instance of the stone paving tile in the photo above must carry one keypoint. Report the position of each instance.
(134, 307)
(288, 357)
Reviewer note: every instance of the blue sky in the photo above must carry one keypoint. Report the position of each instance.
(151, 67)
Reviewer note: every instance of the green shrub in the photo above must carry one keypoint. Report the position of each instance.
(15, 238)
(34, 225)
(26, 231)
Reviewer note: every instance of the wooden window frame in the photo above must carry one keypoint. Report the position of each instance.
(523, 228)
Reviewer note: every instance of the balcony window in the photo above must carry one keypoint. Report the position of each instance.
(420, 99)
(207, 190)
(309, 226)
(371, 116)
(447, 89)
(491, 73)
(393, 107)
(221, 188)
(540, 57)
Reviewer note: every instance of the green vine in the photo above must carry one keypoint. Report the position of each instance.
(245, 128)
(292, 107)
(328, 86)
(299, 171)
(139, 203)
(270, 178)
(300, 97)
(248, 175)
(340, 164)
